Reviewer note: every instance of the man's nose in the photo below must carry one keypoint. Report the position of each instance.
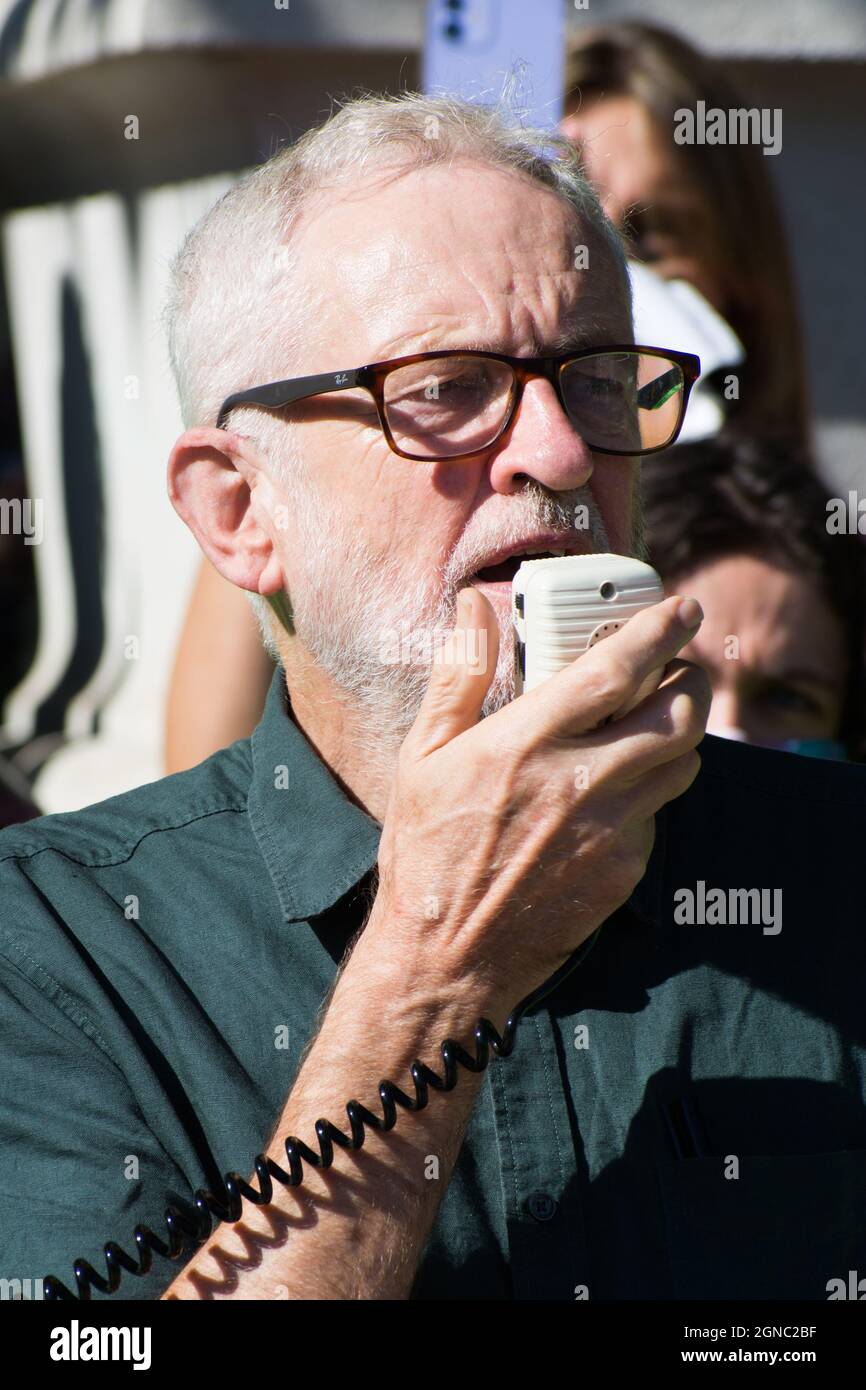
(541, 443)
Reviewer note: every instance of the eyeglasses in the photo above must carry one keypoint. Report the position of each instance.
(451, 405)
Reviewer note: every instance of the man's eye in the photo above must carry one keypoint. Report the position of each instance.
(459, 385)
(454, 388)
(596, 395)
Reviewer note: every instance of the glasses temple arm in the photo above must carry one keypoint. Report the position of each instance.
(279, 393)
(657, 392)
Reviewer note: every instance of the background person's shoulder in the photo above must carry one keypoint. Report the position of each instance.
(768, 773)
(755, 815)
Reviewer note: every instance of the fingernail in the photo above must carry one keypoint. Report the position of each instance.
(690, 614)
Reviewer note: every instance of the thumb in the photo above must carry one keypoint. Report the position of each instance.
(463, 668)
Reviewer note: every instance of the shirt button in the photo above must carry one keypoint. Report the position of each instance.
(541, 1205)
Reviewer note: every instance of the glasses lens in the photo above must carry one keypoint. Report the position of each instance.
(447, 405)
(626, 402)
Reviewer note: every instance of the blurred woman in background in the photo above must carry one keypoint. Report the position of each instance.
(702, 213)
(742, 526)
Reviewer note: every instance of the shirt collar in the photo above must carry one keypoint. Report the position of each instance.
(317, 843)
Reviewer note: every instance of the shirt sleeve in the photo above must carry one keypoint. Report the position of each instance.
(79, 1165)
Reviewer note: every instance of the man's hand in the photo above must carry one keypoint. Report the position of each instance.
(522, 832)
(508, 840)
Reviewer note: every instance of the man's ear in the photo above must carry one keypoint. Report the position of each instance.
(220, 488)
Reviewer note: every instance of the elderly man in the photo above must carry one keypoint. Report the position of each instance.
(196, 972)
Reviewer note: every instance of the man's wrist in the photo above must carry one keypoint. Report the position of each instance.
(415, 989)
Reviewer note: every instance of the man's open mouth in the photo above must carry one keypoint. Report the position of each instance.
(506, 569)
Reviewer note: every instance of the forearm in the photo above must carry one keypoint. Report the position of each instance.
(358, 1229)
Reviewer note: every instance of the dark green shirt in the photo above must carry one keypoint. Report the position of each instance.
(682, 1118)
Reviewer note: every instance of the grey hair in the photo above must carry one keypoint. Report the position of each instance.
(231, 322)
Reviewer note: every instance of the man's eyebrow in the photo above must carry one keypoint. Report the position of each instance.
(585, 334)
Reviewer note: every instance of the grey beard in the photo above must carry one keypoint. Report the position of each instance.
(374, 631)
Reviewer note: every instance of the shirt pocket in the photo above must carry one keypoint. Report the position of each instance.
(782, 1229)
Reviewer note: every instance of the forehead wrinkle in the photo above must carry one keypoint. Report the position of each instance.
(586, 322)
(590, 330)
(533, 272)
(588, 313)
(585, 335)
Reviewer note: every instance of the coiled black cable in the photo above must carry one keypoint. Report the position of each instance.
(230, 1209)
